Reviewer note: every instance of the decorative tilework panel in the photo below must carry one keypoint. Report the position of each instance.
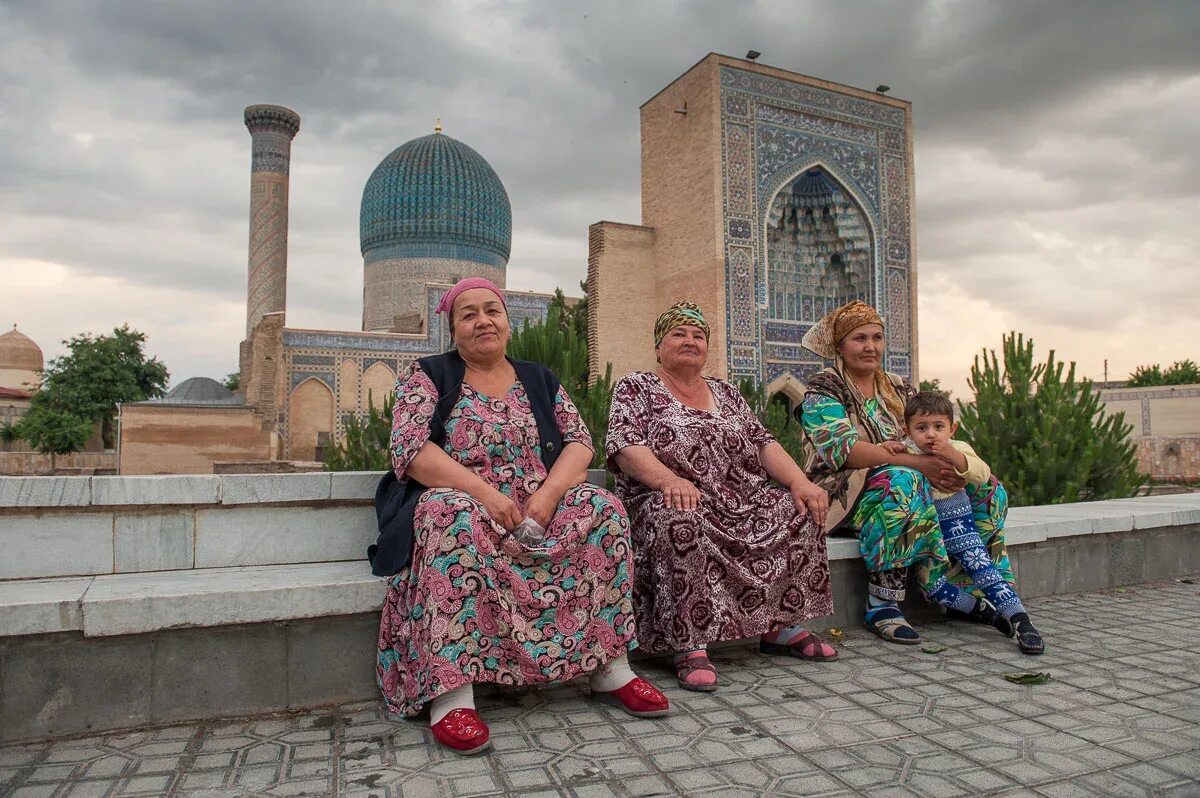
(797, 93)
(782, 331)
(892, 139)
(898, 310)
(820, 125)
(782, 153)
(739, 176)
(895, 180)
(324, 376)
(741, 295)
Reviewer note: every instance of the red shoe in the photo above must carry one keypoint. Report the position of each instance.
(462, 731)
(639, 698)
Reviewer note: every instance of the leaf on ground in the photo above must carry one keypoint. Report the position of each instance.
(933, 649)
(1121, 590)
(835, 633)
(1186, 581)
(1028, 678)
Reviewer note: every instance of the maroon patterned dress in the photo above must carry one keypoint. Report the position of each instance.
(744, 562)
(476, 605)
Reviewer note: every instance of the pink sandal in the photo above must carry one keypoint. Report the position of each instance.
(806, 646)
(690, 665)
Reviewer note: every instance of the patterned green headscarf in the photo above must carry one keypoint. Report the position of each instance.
(677, 315)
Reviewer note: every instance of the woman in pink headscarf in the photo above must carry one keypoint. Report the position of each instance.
(486, 449)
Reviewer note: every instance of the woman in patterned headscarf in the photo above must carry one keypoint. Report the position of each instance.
(852, 414)
(720, 550)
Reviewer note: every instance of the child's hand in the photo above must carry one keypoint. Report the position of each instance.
(942, 449)
(894, 447)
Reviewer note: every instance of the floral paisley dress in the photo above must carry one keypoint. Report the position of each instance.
(477, 606)
(745, 562)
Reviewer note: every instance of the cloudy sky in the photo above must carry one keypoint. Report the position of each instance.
(1058, 182)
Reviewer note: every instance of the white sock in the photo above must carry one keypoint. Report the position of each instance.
(458, 698)
(612, 675)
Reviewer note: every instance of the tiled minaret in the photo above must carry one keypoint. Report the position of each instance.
(272, 128)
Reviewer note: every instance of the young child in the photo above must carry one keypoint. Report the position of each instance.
(929, 422)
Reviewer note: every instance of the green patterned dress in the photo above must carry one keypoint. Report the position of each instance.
(895, 519)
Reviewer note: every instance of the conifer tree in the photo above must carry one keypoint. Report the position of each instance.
(1045, 433)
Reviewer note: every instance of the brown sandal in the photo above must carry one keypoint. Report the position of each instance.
(686, 667)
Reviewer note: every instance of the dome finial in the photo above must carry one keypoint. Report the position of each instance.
(437, 125)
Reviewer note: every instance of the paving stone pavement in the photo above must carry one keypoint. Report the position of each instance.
(1120, 717)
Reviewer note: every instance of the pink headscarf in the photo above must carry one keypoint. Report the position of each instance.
(466, 284)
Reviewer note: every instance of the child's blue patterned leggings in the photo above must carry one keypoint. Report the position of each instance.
(964, 545)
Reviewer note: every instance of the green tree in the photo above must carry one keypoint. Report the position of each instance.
(98, 373)
(556, 343)
(1181, 372)
(932, 385)
(52, 430)
(1044, 432)
(777, 418)
(367, 444)
(233, 381)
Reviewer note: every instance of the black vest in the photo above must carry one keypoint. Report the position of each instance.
(396, 499)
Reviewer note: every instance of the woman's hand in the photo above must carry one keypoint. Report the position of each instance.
(941, 474)
(503, 510)
(894, 447)
(541, 507)
(811, 500)
(680, 494)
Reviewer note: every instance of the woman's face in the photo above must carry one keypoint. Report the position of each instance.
(479, 324)
(862, 348)
(685, 346)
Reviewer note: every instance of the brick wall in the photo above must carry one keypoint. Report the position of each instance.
(621, 304)
(173, 439)
(681, 200)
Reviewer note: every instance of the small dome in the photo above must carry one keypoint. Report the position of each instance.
(18, 351)
(199, 391)
(435, 197)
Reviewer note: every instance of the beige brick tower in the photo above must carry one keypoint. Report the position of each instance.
(272, 128)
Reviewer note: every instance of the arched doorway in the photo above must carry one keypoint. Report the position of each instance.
(819, 248)
(310, 420)
(379, 381)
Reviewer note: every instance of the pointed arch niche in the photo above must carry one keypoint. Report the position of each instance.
(310, 419)
(819, 248)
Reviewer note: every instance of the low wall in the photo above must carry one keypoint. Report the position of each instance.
(127, 601)
(38, 464)
(1170, 458)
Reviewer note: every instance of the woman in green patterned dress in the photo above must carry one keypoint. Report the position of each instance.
(852, 413)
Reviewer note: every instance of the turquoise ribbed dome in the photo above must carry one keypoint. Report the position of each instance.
(435, 197)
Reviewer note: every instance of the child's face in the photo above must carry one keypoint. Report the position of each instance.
(926, 430)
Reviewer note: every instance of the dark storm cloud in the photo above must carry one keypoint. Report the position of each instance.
(1053, 140)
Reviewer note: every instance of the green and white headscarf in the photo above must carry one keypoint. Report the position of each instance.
(678, 315)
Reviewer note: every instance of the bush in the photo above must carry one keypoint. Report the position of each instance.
(367, 445)
(1046, 434)
(777, 418)
(554, 343)
(1181, 372)
(557, 344)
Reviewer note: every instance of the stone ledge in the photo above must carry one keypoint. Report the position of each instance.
(172, 489)
(45, 491)
(138, 603)
(187, 489)
(41, 606)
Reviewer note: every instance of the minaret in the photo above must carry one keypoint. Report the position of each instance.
(272, 128)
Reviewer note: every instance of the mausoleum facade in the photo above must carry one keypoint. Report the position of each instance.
(769, 198)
